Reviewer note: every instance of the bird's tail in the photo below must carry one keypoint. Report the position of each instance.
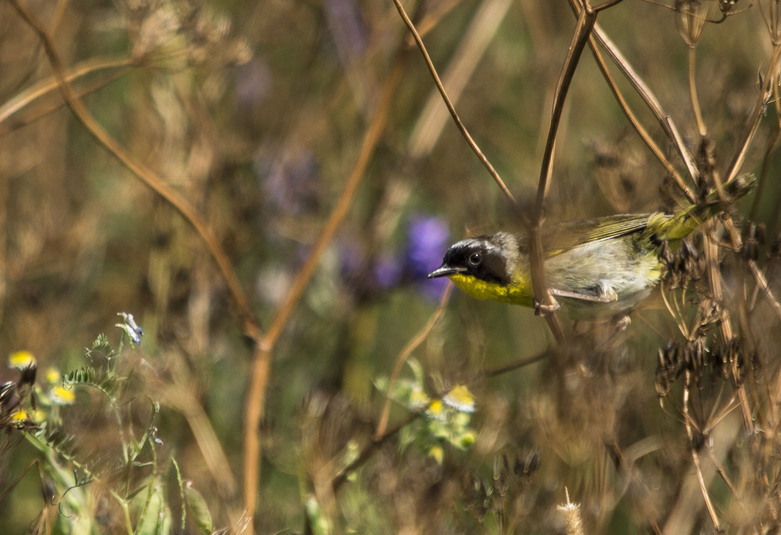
(686, 221)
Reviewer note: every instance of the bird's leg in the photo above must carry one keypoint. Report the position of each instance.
(605, 294)
(543, 309)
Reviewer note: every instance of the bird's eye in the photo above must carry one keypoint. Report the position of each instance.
(475, 259)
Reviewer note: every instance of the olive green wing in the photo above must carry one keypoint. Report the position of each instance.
(564, 236)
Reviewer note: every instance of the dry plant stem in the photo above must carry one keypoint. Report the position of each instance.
(461, 127)
(40, 89)
(142, 171)
(633, 121)
(586, 20)
(630, 472)
(433, 117)
(694, 453)
(495, 372)
(369, 449)
(701, 128)
(406, 352)
(725, 325)
(261, 362)
(768, 87)
(763, 285)
(653, 104)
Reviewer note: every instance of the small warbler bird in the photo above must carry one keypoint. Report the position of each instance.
(599, 267)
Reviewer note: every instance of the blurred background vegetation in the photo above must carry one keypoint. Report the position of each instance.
(258, 115)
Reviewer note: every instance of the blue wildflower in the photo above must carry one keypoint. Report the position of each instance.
(133, 331)
(427, 240)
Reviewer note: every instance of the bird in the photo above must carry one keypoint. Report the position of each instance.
(598, 268)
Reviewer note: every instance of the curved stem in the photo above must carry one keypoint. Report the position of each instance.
(261, 362)
(701, 128)
(404, 355)
(451, 108)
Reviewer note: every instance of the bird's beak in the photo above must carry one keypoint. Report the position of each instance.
(443, 271)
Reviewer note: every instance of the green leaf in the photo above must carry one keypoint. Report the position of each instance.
(198, 509)
(150, 507)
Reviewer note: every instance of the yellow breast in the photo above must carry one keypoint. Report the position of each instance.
(517, 293)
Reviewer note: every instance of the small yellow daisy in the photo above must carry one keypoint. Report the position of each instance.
(21, 359)
(460, 398)
(53, 375)
(436, 409)
(63, 396)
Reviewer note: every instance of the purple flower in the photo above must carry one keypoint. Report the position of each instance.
(427, 241)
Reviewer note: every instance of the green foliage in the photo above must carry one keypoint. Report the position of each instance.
(95, 491)
(442, 420)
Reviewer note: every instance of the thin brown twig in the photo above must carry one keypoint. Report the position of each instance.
(451, 108)
(765, 287)
(695, 100)
(414, 342)
(694, 453)
(370, 448)
(433, 117)
(653, 105)
(501, 370)
(41, 88)
(768, 83)
(587, 18)
(261, 362)
(631, 117)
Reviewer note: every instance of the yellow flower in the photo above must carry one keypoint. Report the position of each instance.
(21, 359)
(435, 409)
(460, 398)
(62, 395)
(53, 375)
(19, 415)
